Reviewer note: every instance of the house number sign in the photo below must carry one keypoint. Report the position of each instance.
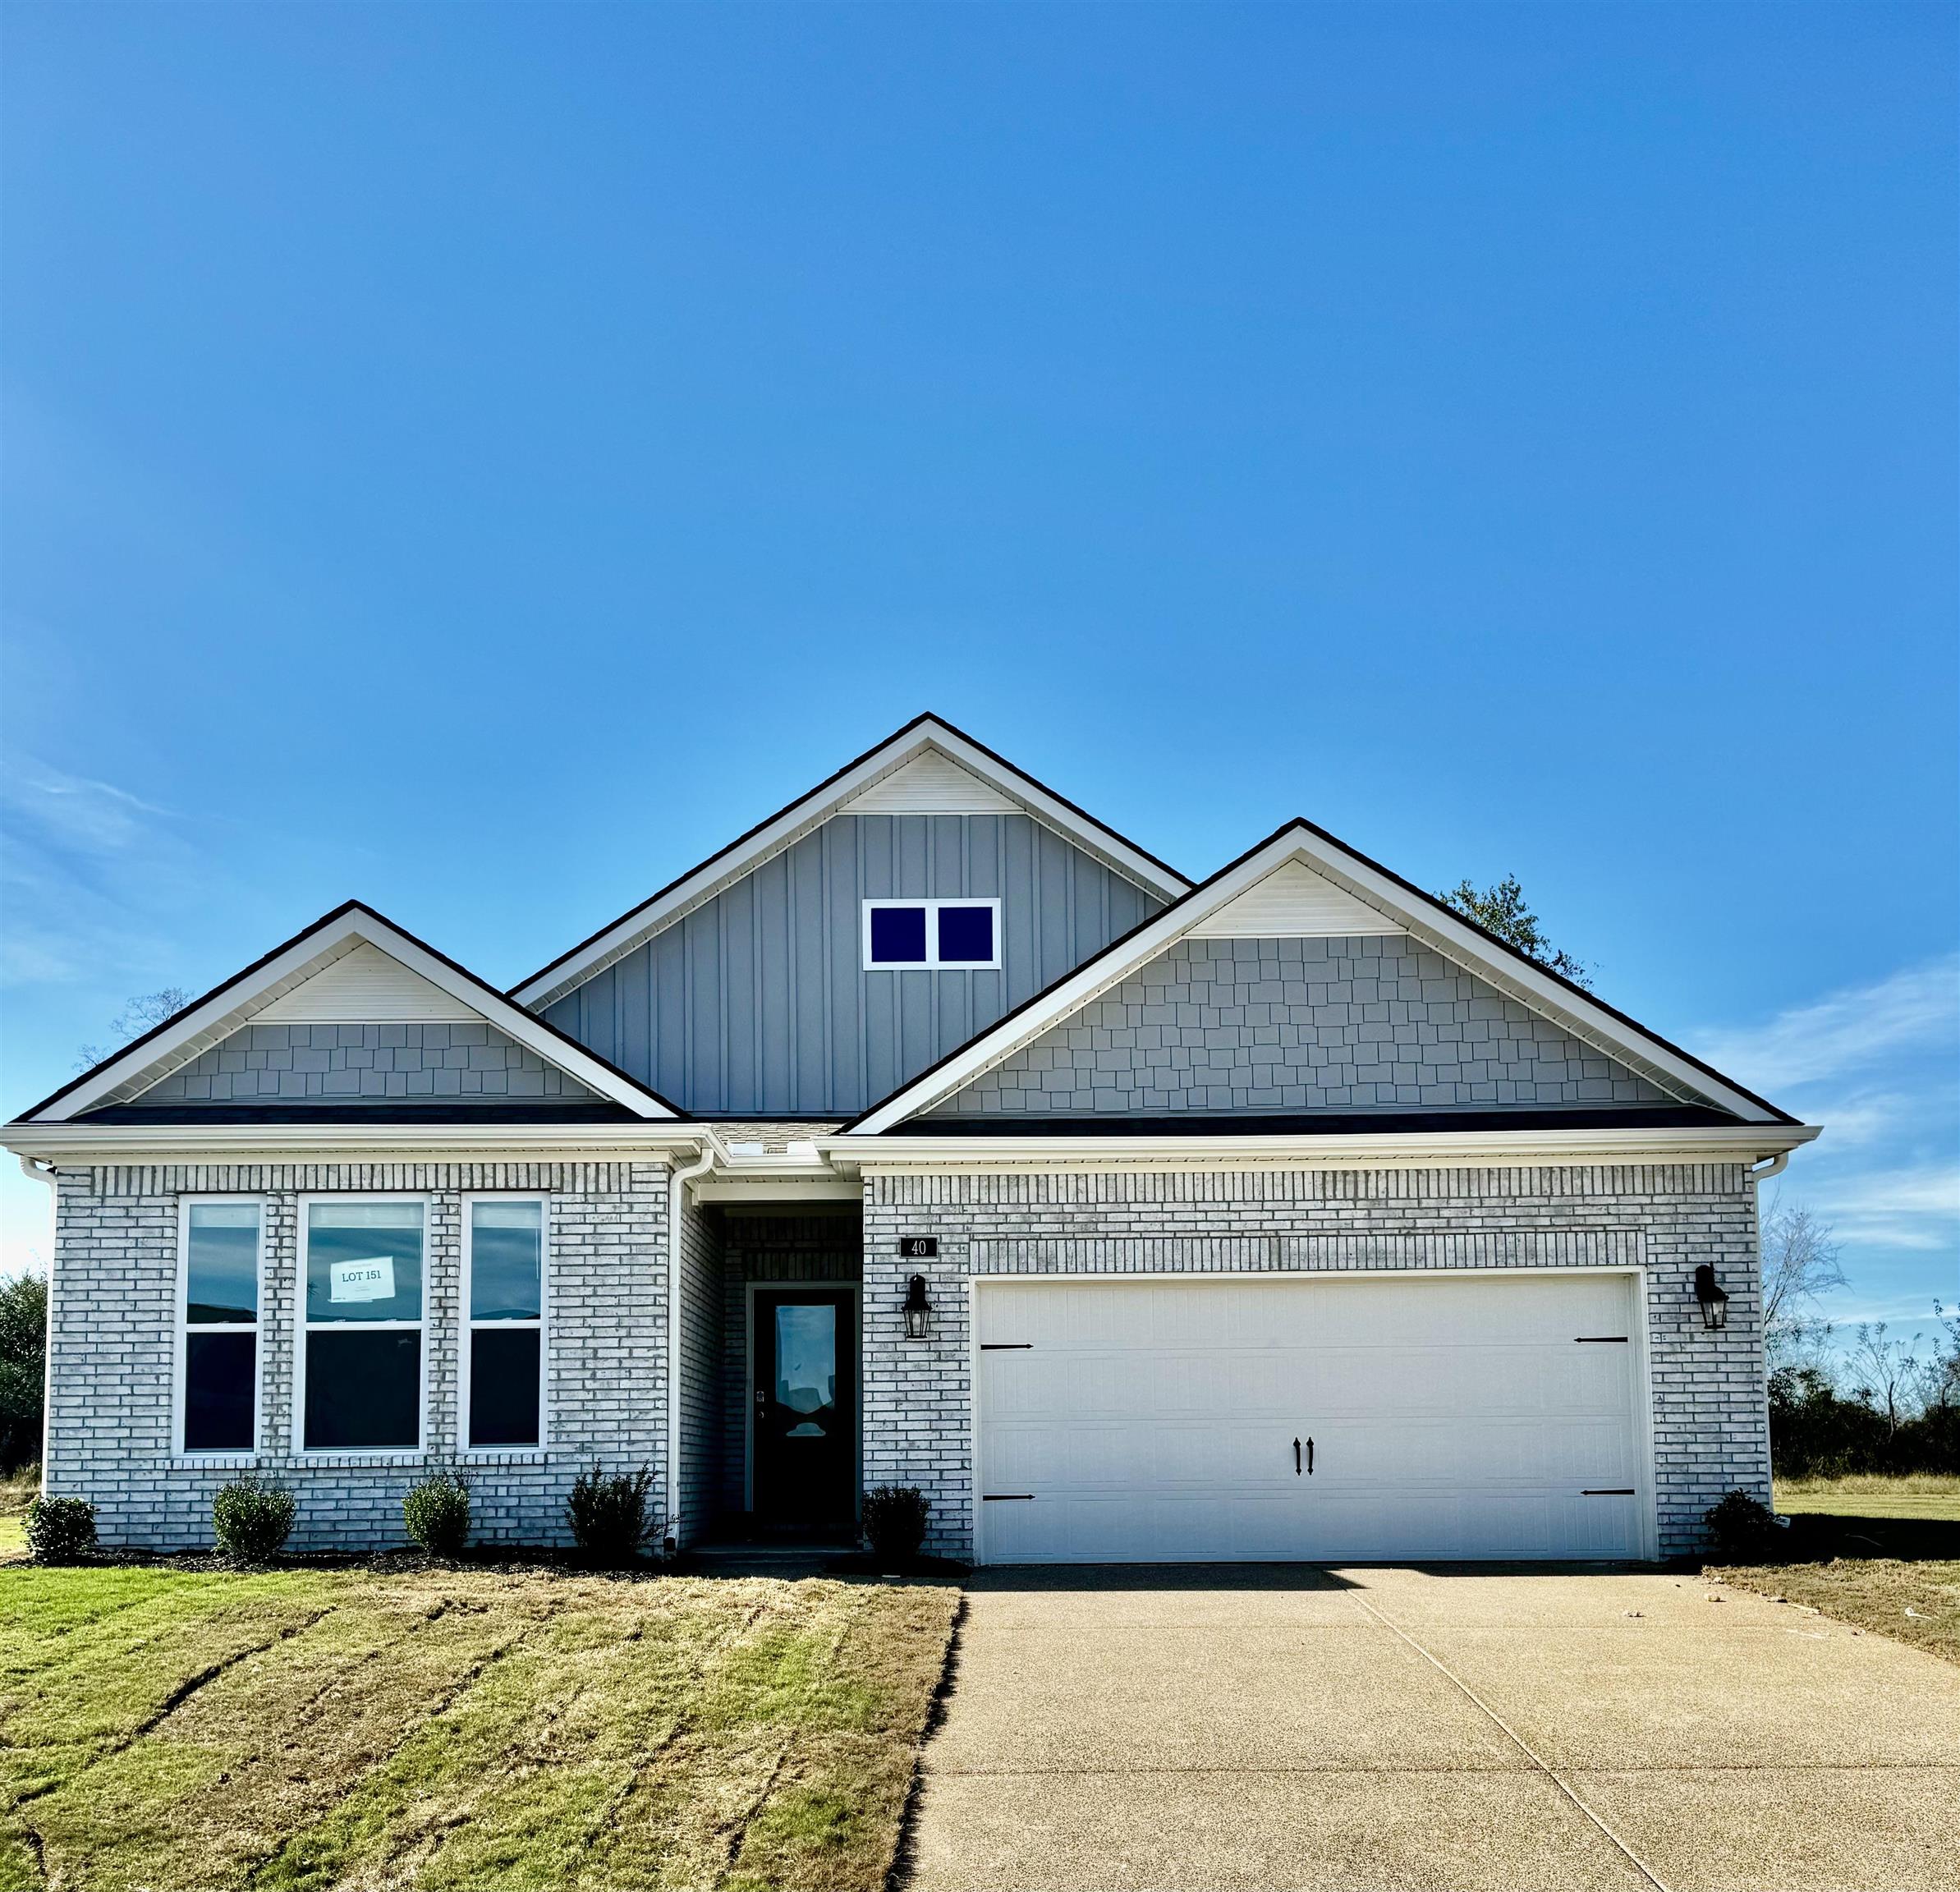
(918, 1247)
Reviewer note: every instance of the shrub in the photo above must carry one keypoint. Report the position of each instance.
(1739, 1529)
(608, 1516)
(59, 1529)
(252, 1520)
(895, 1521)
(437, 1514)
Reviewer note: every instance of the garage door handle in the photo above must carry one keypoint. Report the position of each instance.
(1310, 1458)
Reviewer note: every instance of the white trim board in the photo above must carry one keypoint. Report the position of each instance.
(181, 1453)
(466, 1326)
(287, 971)
(1327, 860)
(871, 774)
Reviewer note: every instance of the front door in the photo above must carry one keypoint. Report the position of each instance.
(805, 1405)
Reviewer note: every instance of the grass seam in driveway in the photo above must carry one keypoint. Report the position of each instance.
(899, 1872)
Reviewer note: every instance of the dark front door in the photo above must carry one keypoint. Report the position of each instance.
(806, 1407)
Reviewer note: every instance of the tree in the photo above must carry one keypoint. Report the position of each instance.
(1502, 910)
(23, 1369)
(1884, 1373)
(1939, 1376)
(1800, 1266)
(141, 1014)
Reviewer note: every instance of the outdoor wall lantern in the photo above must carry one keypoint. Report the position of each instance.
(918, 1310)
(1714, 1302)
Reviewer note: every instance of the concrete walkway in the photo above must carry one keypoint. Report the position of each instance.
(1385, 1730)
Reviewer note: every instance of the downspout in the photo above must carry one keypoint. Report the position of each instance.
(676, 1192)
(31, 1166)
(1773, 1166)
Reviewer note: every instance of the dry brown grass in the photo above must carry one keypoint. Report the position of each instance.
(1916, 1602)
(305, 1728)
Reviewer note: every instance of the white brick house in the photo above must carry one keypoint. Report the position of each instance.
(931, 1133)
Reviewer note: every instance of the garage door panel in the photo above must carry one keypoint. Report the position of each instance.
(1464, 1418)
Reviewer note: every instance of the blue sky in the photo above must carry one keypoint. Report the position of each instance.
(481, 459)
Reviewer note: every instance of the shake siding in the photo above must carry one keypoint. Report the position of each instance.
(1378, 1021)
(1709, 1422)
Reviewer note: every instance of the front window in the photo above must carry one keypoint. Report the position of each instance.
(362, 1348)
(932, 935)
(220, 1332)
(503, 1371)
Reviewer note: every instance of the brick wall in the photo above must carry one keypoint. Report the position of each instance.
(1351, 1024)
(111, 1360)
(357, 1064)
(1710, 1426)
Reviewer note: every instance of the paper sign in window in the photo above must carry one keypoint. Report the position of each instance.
(371, 1280)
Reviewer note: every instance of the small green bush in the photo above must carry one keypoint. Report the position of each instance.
(608, 1516)
(1740, 1531)
(252, 1519)
(437, 1514)
(59, 1529)
(894, 1519)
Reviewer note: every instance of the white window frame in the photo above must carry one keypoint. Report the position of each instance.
(180, 1348)
(468, 1324)
(372, 1455)
(932, 961)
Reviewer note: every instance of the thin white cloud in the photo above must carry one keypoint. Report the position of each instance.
(84, 861)
(1913, 1011)
(1917, 1207)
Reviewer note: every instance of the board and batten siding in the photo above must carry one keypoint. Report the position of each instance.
(757, 1002)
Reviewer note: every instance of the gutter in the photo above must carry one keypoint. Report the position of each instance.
(45, 1174)
(1375, 1150)
(712, 1153)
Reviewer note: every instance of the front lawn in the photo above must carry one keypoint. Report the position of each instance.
(302, 1728)
(1916, 1602)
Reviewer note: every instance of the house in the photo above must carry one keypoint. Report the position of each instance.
(930, 1133)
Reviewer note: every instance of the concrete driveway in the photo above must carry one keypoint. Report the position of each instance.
(1384, 1730)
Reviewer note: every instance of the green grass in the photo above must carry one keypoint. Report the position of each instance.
(305, 1728)
(1921, 1495)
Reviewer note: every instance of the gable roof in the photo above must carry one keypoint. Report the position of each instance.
(351, 956)
(928, 767)
(1347, 879)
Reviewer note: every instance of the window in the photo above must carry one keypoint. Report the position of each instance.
(503, 1289)
(360, 1357)
(932, 935)
(218, 1374)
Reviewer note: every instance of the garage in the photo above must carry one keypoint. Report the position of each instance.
(1327, 1418)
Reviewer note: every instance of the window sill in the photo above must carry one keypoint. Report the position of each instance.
(330, 1456)
(215, 1461)
(506, 1454)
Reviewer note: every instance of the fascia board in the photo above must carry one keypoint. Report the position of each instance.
(811, 811)
(196, 1028)
(1431, 1150)
(230, 1005)
(1467, 946)
(1431, 923)
(304, 1142)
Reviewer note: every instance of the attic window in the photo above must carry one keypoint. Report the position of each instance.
(932, 935)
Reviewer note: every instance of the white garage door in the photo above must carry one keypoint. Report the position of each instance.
(1326, 1418)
